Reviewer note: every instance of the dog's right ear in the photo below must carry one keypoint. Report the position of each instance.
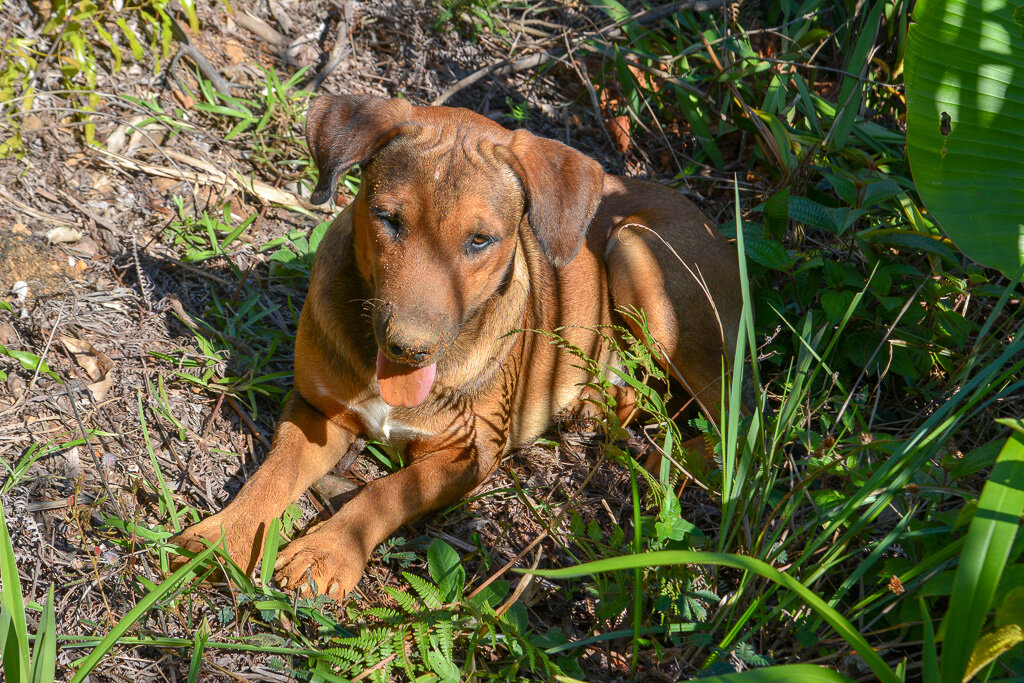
(344, 130)
(563, 189)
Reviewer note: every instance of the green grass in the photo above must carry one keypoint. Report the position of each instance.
(869, 504)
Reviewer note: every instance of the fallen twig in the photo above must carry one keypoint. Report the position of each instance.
(39, 215)
(504, 68)
(249, 423)
(341, 47)
(200, 60)
(261, 29)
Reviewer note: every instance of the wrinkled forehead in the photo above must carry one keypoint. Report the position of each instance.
(446, 170)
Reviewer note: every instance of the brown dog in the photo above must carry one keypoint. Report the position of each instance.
(464, 237)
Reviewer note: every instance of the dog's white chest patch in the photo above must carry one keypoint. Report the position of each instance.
(379, 423)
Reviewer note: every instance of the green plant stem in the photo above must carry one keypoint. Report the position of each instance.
(638, 572)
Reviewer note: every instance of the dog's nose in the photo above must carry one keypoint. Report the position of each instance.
(405, 353)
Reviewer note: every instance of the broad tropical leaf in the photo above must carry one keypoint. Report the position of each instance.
(965, 124)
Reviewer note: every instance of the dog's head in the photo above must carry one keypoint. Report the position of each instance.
(444, 195)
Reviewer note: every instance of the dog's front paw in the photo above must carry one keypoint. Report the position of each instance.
(236, 538)
(333, 565)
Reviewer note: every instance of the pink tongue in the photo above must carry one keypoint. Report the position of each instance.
(402, 385)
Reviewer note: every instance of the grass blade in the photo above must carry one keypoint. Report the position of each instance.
(13, 630)
(787, 673)
(851, 92)
(164, 492)
(270, 551)
(75, 641)
(989, 538)
(732, 480)
(930, 656)
(44, 653)
(198, 646)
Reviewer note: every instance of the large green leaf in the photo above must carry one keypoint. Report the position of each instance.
(965, 124)
(786, 673)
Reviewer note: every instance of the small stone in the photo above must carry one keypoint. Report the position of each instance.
(20, 229)
(16, 385)
(20, 291)
(8, 335)
(63, 235)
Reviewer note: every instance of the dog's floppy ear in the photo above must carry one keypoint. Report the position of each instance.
(344, 130)
(563, 189)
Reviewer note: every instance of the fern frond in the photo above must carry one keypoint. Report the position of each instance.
(342, 656)
(384, 655)
(405, 601)
(383, 613)
(398, 644)
(445, 635)
(428, 593)
(531, 654)
(420, 636)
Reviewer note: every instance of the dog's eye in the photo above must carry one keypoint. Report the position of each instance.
(479, 242)
(391, 222)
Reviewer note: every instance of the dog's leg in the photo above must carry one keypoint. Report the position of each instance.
(306, 446)
(335, 552)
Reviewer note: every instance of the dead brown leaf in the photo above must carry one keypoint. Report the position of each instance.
(618, 128)
(184, 99)
(97, 365)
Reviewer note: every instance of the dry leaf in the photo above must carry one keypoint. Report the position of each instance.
(97, 365)
(16, 385)
(74, 461)
(618, 128)
(184, 99)
(31, 122)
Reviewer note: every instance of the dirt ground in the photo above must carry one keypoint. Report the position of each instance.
(98, 288)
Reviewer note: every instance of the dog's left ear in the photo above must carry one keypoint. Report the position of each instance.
(344, 130)
(563, 189)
